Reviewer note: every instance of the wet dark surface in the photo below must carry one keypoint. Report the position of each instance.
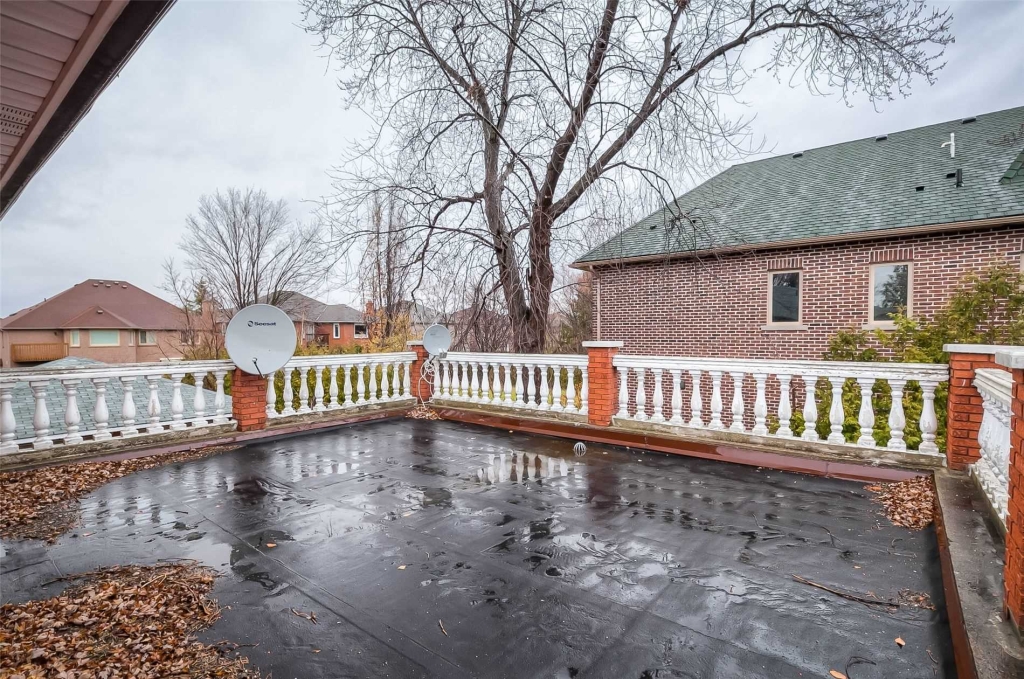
(617, 564)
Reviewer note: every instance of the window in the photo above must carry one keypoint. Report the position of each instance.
(890, 292)
(104, 338)
(76, 338)
(360, 331)
(337, 331)
(187, 337)
(784, 297)
(147, 338)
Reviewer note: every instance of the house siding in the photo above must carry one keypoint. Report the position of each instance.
(167, 346)
(717, 305)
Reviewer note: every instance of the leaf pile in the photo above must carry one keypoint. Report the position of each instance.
(136, 621)
(42, 504)
(910, 503)
(422, 412)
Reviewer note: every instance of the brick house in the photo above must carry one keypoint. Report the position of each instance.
(102, 320)
(331, 325)
(770, 258)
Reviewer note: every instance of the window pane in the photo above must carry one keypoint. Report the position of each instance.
(890, 294)
(75, 338)
(786, 297)
(103, 338)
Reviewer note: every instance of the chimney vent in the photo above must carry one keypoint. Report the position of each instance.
(798, 154)
(968, 119)
(881, 137)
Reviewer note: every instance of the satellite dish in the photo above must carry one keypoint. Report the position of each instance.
(436, 339)
(260, 339)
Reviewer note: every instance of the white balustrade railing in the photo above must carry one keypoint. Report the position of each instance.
(554, 383)
(993, 469)
(43, 408)
(761, 396)
(339, 381)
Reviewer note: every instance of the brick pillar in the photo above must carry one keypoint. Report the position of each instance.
(1013, 575)
(964, 409)
(421, 389)
(603, 392)
(249, 400)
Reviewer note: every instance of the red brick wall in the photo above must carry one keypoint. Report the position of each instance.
(602, 385)
(421, 389)
(964, 409)
(1014, 572)
(249, 401)
(717, 306)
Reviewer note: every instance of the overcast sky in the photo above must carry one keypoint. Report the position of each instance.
(235, 94)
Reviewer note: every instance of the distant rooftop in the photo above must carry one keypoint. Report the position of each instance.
(888, 181)
(98, 303)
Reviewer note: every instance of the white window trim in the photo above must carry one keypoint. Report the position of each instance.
(364, 335)
(75, 338)
(131, 337)
(148, 334)
(788, 325)
(115, 344)
(337, 331)
(872, 324)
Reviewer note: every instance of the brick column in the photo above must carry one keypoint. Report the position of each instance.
(249, 400)
(603, 392)
(1013, 575)
(964, 409)
(421, 389)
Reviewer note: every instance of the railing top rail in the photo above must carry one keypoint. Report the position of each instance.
(118, 370)
(912, 371)
(535, 359)
(996, 382)
(349, 359)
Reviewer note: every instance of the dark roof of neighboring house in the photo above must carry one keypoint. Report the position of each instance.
(301, 307)
(840, 191)
(98, 304)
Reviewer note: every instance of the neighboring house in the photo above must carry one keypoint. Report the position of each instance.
(334, 325)
(105, 320)
(23, 402)
(420, 316)
(771, 258)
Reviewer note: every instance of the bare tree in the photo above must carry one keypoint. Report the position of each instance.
(499, 118)
(383, 269)
(201, 335)
(245, 248)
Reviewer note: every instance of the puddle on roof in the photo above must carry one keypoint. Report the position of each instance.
(521, 467)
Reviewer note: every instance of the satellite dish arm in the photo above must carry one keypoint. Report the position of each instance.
(257, 366)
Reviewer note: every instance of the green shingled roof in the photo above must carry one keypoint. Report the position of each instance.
(843, 189)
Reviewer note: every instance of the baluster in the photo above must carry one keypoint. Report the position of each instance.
(349, 387)
(219, 400)
(531, 386)
(866, 416)
(659, 400)
(448, 369)
(464, 393)
(318, 389)
(271, 395)
(785, 408)
(897, 418)
(928, 422)
(472, 381)
(406, 380)
(304, 390)
(8, 423)
(677, 397)
(810, 408)
(556, 389)
(492, 384)
(544, 388)
(177, 404)
(641, 395)
(101, 414)
(127, 410)
(440, 368)
(760, 406)
(385, 383)
(41, 416)
(359, 397)
(72, 417)
(153, 406)
(570, 390)
(696, 401)
(737, 402)
(506, 386)
(716, 400)
(287, 393)
(199, 398)
(332, 389)
(584, 391)
(373, 383)
(836, 414)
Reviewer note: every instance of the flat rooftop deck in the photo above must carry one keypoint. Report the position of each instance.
(617, 564)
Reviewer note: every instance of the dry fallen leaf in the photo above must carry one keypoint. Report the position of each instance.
(910, 503)
(402, 567)
(271, 544)
(900, 642)
(837, 674)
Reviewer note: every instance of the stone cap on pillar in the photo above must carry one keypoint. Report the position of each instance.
(414, 343)
(1012, 359)
(602, 344)
(974, 348)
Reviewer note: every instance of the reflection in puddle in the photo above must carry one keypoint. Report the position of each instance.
(521, 467)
